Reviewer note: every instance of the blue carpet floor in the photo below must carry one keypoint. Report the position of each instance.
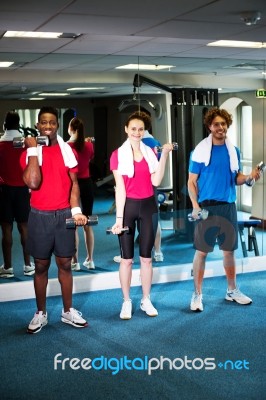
(178, 346)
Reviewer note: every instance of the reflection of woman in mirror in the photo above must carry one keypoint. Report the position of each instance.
(85, 154)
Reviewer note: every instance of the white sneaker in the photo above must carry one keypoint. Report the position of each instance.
(73, 317)
(75, 266)
(237, 296)
(6, 273)
(38, 321)
(147, 307)
(126, 310)
(29, 269)
(89, 264)
(158, 257)
(117, 259)
(196, 302)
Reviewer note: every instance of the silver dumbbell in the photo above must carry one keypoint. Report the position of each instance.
(109, 230)
(261, 167)
(159, 149)
(202, 214)
(19, 142)
(92, 220)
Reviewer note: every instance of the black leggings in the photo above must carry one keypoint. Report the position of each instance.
(144, 213)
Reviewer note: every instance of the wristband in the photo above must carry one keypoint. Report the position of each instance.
(75, 210)
(32, 151)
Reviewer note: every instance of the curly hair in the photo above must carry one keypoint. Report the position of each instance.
(217, 112)
(142, 116)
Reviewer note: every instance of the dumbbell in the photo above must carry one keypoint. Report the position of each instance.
(109, 230)
(92, 220)
(203, 214)
(90, 139)
(18, 142)
(159, 149)
(261, 167)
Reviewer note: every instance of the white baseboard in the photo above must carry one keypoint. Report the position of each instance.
(100, 281)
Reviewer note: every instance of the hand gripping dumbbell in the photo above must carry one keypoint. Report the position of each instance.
(202, 214)
(261, 167)
(92, 220)
(109, 230)
(159, 149)
(19, 142)
(90, 139)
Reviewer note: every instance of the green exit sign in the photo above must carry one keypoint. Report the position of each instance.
(261, 93)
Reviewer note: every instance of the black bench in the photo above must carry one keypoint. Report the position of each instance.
(250, 224)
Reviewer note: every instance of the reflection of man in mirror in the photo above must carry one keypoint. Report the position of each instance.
(214, 172)
(14, 197)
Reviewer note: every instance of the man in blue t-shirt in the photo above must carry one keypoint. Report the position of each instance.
(214, 172)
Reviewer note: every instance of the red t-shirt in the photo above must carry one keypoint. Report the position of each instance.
(55, 188)
(139, 186)
(10, 169)
(84, 157)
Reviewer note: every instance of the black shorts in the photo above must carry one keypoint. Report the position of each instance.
(221, 226)
(14, 204)
(86, 195)
(47, 234)
(143, 214)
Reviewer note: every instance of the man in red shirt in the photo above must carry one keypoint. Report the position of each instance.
(14, 197)
(51, 174)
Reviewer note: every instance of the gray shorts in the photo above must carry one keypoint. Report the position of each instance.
(220, 227)
(47, 234)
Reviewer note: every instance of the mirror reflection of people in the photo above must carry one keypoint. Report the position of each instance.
(51, 174)
(14, 197)
(214, 172)
(85, 154)
(136, 171)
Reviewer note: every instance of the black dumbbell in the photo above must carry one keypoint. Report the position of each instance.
(92, 220)
(109, 230)
(18, 142)
(159, 149)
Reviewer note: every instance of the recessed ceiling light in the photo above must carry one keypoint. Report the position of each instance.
(238, 43)
(38, 35)
(146, 67)
(6, 64)
(53, 94)
(85, 88)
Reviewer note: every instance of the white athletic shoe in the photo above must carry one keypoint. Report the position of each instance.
(38, 321)
(196, 302)
(75, 266)
(89, 264)
(126, 310)
(29, 269)
(237, 296)
(6, 273)
(147, 307)
(74, 317)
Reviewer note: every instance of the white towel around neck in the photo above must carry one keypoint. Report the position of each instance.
(126, 160)
(69, 158)
(202, 153)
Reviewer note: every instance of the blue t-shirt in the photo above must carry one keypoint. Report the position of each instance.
(152, 143)
(216, 181)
